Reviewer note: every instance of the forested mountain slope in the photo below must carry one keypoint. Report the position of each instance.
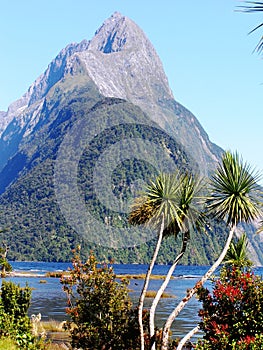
(76, 147)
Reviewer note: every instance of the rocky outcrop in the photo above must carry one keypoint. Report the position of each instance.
(38, 90)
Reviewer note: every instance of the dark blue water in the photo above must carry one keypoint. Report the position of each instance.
(50, 300)
(133, 269)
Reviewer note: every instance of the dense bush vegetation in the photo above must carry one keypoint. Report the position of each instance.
(232, 315)
(99, 307)
(29, 207)
(14, 321)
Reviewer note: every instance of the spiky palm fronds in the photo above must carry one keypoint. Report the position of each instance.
(237, 253)
(235, 197)
(235, 194)
(254, 6)
(173, 195)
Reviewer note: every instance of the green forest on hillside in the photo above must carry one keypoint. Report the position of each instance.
(36, 227)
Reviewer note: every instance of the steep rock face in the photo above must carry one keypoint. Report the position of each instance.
(23, 115)
(38, 90)
(124, 64)
(54, 72)
(3, 120)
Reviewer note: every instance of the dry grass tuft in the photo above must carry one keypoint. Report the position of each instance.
(142, 277)
(52, 326)
(152, 294)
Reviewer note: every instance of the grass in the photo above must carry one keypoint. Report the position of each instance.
(152, 294)
(142, 277)
(54, 330)
(52, 326)
(55, 347)
(7, 344)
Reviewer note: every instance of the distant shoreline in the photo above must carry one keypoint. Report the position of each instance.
(24, 274)
(59, 274)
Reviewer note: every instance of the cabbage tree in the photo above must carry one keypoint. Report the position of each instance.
(162, 207)
(234, 197)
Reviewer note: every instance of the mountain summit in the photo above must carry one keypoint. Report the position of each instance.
(122, 63)
(126, 58)
(116, 74)
(116, 34)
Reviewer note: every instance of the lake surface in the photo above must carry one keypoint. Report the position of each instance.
(50, 300)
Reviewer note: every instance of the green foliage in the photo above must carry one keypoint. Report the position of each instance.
(14, 321)
(234, 195)
(232, 316)
(176, 196)
(99, 307)
(5, 266)
(237, 253)
(29, 206)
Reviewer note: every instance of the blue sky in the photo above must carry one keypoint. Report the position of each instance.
(206, 52)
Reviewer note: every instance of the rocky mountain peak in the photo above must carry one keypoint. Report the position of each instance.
(117, 33)
(123, 63)
(54, 72)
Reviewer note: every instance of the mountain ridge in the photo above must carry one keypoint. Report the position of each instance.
(116, 73)
(150, 90)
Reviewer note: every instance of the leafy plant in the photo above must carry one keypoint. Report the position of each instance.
(100, 308)
(4, 264)
(232, 315)
(14, 321)
(237, 253)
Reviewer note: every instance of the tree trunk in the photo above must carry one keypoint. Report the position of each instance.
(163, 287)
(191, 292)
(187, 337)
(146, 282)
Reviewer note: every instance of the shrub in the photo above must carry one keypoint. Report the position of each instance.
(14, 322)
(5, 267)
(99, 307)
(232, 316)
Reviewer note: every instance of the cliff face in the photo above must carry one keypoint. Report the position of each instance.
(123, 63)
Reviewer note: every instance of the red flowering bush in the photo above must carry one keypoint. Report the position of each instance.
(232, 316)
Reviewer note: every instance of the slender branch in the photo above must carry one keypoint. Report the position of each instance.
(187, 337)
(163, 287)
(146, 282)
(191, 292)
